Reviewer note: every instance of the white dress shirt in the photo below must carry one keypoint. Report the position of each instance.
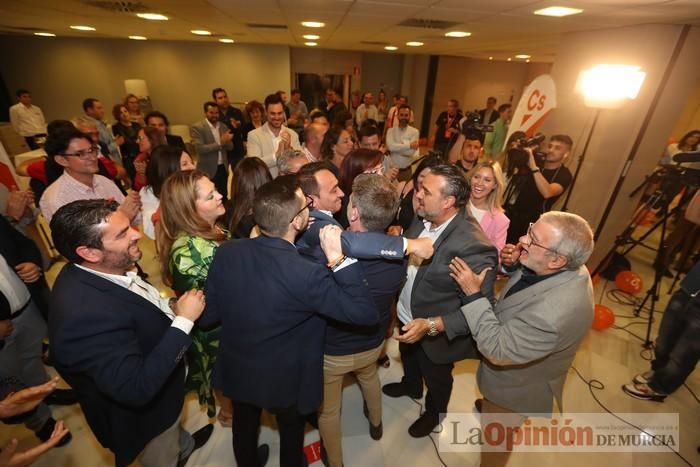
(12, 287)
(398, 141)
(217, 137)
(27, 121)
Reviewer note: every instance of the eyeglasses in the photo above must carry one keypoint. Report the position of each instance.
(531, 241)
(308, 206)
(85, 153)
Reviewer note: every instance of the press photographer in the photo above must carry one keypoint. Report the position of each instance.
(536, 183)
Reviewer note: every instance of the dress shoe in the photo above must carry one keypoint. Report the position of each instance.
(401, 389)
(61, 397)
(424, 425)
(643, 392)
(200, 438)
(263, 454)
(375, 432)
(643, 378)
(44, 433)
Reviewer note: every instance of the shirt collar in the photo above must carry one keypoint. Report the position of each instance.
(123, 280)
(442, 226)
(213, 127)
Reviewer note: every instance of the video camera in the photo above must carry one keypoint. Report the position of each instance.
(518, 156)
(472, 122)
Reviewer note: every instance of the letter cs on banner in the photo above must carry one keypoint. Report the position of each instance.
(538, 99)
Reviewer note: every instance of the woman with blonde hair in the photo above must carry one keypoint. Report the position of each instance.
(188, 236)
(486, 187)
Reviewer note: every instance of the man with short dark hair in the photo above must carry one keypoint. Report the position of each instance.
(297, 112)
(272, 358)
(489, 114)
(78, 155)
(447, 127)
(466, 152)
(350, 349)
(232, 117)
(94, 110)
(117, 342)
(273, 137)
(494, 141)
(334, 104)
(27, 119)
(212, 140)
(159, 121)
(392, 117)
(369, 138)
(534, 191)
(429, 293)
(367, 110)
(402, 142)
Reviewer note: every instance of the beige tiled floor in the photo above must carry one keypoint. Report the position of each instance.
(612, 357)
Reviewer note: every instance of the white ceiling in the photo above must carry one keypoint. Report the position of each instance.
(500, 28)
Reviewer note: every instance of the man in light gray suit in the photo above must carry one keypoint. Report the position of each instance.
(212, 139)
(530, 338)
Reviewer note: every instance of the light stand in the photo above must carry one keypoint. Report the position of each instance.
(581, 158)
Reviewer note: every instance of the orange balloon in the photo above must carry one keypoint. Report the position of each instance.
(603, 318)
(629, 282)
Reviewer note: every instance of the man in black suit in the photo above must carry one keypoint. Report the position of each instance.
(117, 342)
(232, 117)
(489, 114)
(159, 121)
(429, 291)
(271, 302)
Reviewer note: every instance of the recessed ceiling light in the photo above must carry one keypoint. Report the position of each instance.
(152, 16)
(414, 44)
(391, 47)
(313, 24)
(522, 56)
(458, 34)
(45, 34)
(201, 32)
(137, 38)
(311, 37)
(509, 59)
(227, 41)
(311, 44)
(558, 11)
(490, 58)
(528, 60)
(83, 28)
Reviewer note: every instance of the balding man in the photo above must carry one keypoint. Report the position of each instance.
(529, 339)
(313, 138)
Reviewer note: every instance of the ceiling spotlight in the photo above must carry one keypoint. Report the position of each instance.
(391, 47)
(490, 58)
(137, 38)
(414, 44)
(458, 34)
(311, 37)
(558, 11)
(311, 44)
(522, 56)
(227, 41)
(83, 28)
(152, 16)
(45, 34)
(201, 32)
(312, 24)
(509, 59)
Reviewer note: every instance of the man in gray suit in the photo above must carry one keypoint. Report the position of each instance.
(429, 293)
(212, 139)
(530, 338)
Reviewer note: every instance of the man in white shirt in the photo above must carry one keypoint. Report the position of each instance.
(77, 154)
(367, 110)
(402, 142)
(117, 342)
(212, 140)
(273, 137)
(392, 117)
(27, 119)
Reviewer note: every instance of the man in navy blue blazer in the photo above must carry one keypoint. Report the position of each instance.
(116, 342)
(271, 301)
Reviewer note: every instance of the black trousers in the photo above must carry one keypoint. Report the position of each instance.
(221, 180)
(417, 367)
(246, 425)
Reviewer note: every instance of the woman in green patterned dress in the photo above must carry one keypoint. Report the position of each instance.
(188, 238)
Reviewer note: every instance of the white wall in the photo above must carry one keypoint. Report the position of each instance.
(61, 72)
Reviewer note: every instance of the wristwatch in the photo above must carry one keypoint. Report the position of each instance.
(433, 330)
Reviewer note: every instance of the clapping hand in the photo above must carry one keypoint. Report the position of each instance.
(23, 401)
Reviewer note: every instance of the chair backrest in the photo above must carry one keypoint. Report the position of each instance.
(182, 131)
(42, 226)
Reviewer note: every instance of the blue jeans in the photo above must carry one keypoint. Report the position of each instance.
(678, 343)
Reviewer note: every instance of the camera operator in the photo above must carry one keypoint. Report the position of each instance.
(537, 185)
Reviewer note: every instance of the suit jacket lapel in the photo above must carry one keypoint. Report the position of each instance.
(425, 265)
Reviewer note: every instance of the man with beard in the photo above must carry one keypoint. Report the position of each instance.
(447, 127)
(117, 342)
(212, 140)
(402, 142)
(273, 137)
(466, 152)
(429, 293)
(232, 117)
